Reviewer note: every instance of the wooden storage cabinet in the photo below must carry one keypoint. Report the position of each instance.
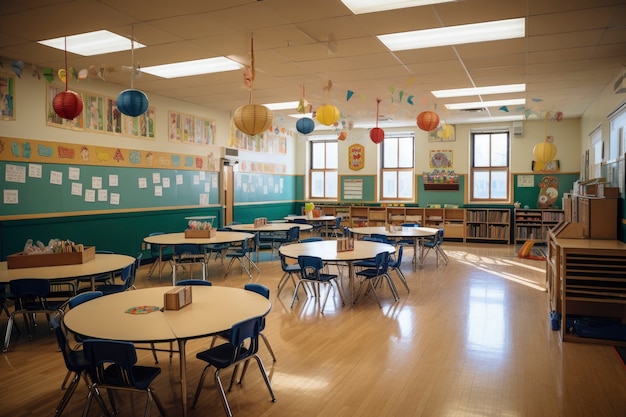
(598, 217)
(587, 277)
(535, 223)
(377, 216)
(488, 224)
(454, 224)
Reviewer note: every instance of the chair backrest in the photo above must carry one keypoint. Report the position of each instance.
(184, 282)
(380, 237)
(102, 353)
(258, 288)
(106, 252)
(310, 267)
(127, 274)
(188, 248)
(29, 289)
(410, 225)
(83, 298)
(382, 263)
(311, 239)
(283, 263)
(338, 222)
(398, 261)
(245, 333)
(300, 221)
(64, 345)
(373, 239)
(294, 234)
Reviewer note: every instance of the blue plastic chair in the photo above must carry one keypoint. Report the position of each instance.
(75, 362)
(198, 282)
(395, 262)
(435, 245)
(288, 272)
(127, 277)
(242, 254)
(242, 346)
(311, 239)
(311, 271)
(373, 275)
(112, 366)
(189, 254)
(265, 292)
(31, 297)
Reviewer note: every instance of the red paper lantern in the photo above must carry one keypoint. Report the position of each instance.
(377, 135)
(67, 104)
(428, 120)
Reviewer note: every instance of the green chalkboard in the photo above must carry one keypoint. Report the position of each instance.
(258, 187)
(57, 188)
(528, 195)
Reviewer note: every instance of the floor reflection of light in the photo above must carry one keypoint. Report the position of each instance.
(482, 263)
(485, 321)
(304, 383)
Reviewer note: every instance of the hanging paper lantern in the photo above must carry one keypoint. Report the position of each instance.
(544, 152)
(377, 135)
(132, 102)
(67, 104)
(327, 114)
(305, 125)
(428, 120)
(253, 119)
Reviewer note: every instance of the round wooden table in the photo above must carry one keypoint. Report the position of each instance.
(212, 310)
(327, 250)
(418, 234)
(102, 263)
(173, 239)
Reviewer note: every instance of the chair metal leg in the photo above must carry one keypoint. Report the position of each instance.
(199, 388)
(218, 382)
(267, 344)
(68, 394)
(402, 278)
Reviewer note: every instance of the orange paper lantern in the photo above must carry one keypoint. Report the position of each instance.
(253, 119)
(327, 114)
(428, 120)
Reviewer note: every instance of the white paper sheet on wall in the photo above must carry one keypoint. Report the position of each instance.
(11, 197)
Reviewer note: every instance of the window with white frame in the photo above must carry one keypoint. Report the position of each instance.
(597, 151)
(490, 167)
(323, 177)
(397, 168)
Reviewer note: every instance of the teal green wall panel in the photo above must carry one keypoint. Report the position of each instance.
(118, 232)
(424, 197)
(40, 196)
(274, 211)
(300, 194)
(368, 188)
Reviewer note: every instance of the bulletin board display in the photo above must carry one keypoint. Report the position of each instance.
(264, 187)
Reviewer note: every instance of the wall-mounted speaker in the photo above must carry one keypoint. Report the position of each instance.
(518, 130)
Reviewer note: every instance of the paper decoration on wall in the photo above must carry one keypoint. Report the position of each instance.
(356, 157)
(548, 191)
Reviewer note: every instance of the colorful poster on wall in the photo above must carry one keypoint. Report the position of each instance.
(356, 157)
(441, 159)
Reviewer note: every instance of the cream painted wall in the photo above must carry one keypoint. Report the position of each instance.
(596, 116)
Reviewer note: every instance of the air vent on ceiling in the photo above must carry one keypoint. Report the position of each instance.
(474, 110)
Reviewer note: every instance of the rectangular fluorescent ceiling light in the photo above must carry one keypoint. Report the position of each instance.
(370, 6)
(197, 67)
(92, 43)
(481, 104)
(479, 91)
(286, 105)
(456, 35)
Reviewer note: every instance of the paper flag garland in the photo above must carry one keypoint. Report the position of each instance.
(47, 74)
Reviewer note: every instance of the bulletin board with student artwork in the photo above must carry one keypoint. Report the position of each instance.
(7, 96)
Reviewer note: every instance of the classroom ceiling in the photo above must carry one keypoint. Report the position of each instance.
(572, 50)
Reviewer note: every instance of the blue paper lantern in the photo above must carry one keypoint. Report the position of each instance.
(305, 125)
(132, 102)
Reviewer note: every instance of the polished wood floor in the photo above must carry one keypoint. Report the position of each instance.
(471, 339)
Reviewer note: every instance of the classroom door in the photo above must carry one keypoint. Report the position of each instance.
(228, 193)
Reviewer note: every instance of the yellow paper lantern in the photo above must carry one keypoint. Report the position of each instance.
(544, 152)
(253, 119)
(327, 114)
